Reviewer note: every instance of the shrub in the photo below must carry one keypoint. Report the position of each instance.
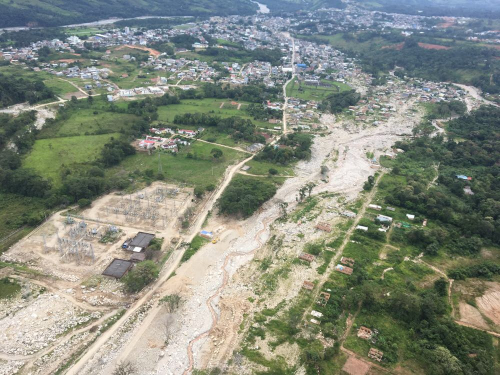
(143, 274)
(84, 202)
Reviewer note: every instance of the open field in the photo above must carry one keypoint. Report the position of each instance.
(94, 121)
(18, 215)
(60, 87)
(297, 89)
(209, 106)
(262, 168)
(200, 170)
(48, 156)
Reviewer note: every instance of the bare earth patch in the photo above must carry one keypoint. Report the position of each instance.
(469, 314)
(354, 366)
(489, 303)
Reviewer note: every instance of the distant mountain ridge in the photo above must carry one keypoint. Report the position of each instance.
(456, 8)
(63, 12)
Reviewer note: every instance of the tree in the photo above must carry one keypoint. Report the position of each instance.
(443, 362)
(283, 206)
(84, 202)
(198, 192)
(441, 287)
(432, 249)
(171, 301)
(216, 153)
(302, 192)
(143, 274)
(314, 353)
(273, 171)
(90, 99)
(310, 186)
(244, 196)
(368, 185)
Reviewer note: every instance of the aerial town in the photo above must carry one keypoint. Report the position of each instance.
(309, 191)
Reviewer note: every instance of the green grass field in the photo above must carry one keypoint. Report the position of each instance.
(210, 106)
(60, 87)
(262, 168)
(84, 31)
(84, 121)
(48, 156)
(200, 170)
(8, 288)
(14, 211)
(212, 135)
(300, 90)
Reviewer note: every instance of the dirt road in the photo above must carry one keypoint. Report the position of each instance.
(167, 271)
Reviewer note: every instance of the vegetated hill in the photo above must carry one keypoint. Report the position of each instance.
(15, 90)
(294, 5)
(63, 12)
(457, 8)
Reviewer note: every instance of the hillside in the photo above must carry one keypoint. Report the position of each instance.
(295, 5)
(63, 12)
(458, 8)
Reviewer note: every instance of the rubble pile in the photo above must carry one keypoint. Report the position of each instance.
(38, 324)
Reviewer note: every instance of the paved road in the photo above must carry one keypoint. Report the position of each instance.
(285, 104)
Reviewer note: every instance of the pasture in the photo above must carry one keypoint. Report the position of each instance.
(49, 156)
(303, 91)
(193, 165)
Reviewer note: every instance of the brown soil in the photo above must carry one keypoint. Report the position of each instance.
(151, 51)
(489, 303)
(432, 46)
(447, 22)
(354, 366)
(469, 314)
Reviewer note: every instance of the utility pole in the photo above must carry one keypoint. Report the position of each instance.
(160, 168)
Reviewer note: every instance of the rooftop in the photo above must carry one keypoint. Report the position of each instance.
(117, 268)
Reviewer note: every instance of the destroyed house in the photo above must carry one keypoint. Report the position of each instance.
(308, 285)
(325, 227)
(307, 257)
(343, 269)
(347, 261)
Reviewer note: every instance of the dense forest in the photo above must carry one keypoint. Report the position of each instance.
(466, 201)
(49, 13)
(24, 38)
(292, 147)
(238, 128)
(249, 93)
(18, 90)
(438, 65)
(339, 101)
(286, 6)
(456, 8)
(244, 195)
(272, 56)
